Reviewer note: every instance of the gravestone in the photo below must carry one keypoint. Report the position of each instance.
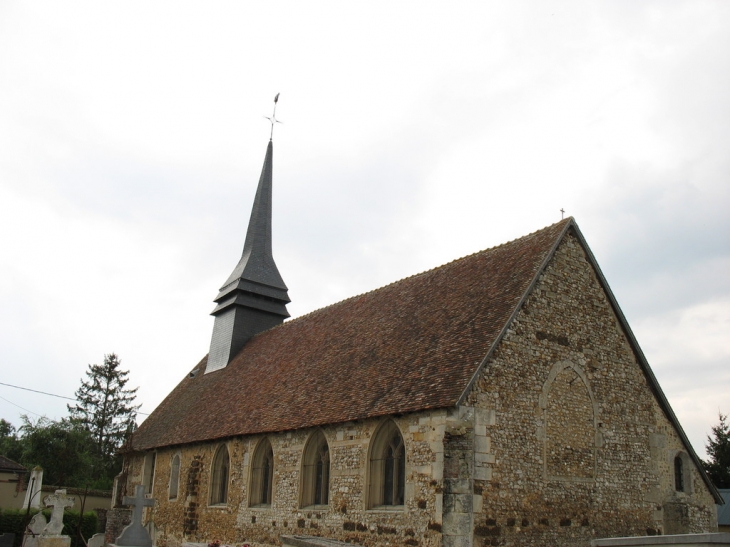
(59, 501)
(136, 535)
(50, 533)
(33, 491)
(97, 540)
(37, 524)
(34, 529)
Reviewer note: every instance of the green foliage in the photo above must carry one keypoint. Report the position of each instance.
(10, 446)
(106, 410)
(13, 521)
(79, 451)
(65, 451)
(718, 448)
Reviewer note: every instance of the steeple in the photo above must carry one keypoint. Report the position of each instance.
(254, 297)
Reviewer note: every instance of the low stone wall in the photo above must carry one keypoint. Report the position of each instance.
(679, 540)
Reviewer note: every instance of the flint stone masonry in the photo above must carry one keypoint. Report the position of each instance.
(313, 541)
(559, 441)
(346, 518)
(582, 449)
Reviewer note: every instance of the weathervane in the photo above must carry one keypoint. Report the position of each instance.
(273, 119)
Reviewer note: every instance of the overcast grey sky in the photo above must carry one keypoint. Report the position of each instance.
(132, 137)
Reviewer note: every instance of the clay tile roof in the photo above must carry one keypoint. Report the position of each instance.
(412, 345)
(8, 465)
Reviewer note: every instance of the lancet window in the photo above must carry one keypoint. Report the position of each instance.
(387, 467)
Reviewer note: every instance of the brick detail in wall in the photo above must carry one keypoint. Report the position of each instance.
(192, 487)
(116, 520)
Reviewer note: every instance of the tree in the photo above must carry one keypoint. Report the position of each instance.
(9, 443)
(718, 448)
(106, 409)
(65, 451)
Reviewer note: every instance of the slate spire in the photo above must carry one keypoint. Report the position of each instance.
(254, 297)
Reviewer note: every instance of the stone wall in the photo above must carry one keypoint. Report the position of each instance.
(581, 448)
(189, 517)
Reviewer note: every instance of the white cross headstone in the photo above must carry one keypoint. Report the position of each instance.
(59, 501)
(135, 535)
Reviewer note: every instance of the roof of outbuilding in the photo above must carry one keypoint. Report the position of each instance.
(723, 511)
(412, 345)
(8, 465)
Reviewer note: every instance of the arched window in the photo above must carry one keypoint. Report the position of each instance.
(174, 476)
(315, 471)
(219, 477)
(387, 467)
(262, 475)
(678, 473)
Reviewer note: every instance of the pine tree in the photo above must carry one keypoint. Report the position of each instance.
(105, 408)
(718, 448)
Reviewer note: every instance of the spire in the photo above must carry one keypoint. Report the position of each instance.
(257, 261)
(254, 297)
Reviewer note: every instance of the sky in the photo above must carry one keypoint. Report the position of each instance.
(132, 137)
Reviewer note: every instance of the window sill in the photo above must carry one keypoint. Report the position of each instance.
(218, 506)
(387, 509)
(261, 506)
(324, 507)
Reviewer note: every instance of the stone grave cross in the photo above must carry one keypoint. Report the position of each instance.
(59, 501)
(135, 534)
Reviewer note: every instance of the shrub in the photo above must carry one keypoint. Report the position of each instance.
(13, 521)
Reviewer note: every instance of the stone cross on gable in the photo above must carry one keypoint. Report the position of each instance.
(135, 535)
(59, 501)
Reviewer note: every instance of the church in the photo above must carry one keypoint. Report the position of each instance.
(500, 399)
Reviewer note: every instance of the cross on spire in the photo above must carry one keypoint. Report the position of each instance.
(273, 119)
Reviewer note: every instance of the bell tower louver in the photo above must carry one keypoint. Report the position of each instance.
(254, 297)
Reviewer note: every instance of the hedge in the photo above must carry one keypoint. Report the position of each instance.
(12, 521)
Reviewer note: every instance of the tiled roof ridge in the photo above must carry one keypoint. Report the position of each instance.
(418, 274)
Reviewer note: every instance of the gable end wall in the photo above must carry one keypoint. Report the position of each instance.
(580, 447)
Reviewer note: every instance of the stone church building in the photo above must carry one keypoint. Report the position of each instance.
(500, 399)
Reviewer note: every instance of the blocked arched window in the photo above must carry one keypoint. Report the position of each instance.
(262, 475)
(148, 473)
(219, 476)
(174, 477)
(569, 430)
(315, 471)
(678, 473)
(387, 477)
